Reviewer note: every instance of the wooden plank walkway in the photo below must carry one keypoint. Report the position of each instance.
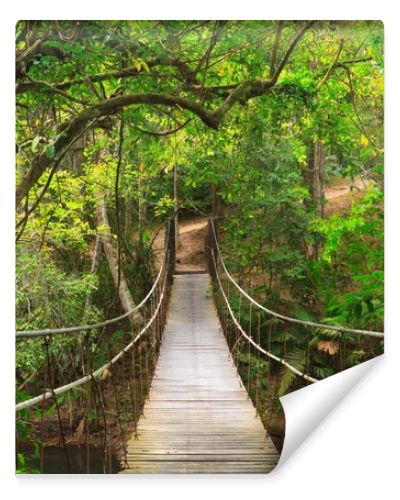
(198, 418)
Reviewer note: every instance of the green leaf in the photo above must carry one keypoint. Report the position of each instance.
(35, 143)
(50, 151)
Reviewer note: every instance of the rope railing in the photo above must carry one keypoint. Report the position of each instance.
(164, 274)
(258, 336)
(94, 326)
(113, 394)
(99, 371)
(306, 377)
(276, 314)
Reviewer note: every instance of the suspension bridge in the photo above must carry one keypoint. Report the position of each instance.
(197, 371)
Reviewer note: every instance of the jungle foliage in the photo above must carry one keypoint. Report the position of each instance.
(254, 118)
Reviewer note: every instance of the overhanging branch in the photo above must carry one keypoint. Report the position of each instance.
(71, 129)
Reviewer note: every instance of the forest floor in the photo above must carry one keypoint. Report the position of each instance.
(339, 194)
(190, 252)
(109, 429)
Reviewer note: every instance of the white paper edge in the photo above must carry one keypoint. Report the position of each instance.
(307, 408)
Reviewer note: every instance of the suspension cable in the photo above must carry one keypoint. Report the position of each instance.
(95, 374)
(336, 328)
(72, 329)
(250, 340)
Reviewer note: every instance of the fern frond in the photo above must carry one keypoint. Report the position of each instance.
(297, 358)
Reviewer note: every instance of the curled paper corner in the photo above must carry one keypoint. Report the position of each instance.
(307, 408)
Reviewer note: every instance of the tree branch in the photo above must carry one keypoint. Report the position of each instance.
(334, 63)
(259, 86)
(163, 134)
(289, 51)
(275, 48)
(130, 71)
(71, 129)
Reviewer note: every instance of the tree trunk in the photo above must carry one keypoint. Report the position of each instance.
(88, 302)
(106, 239)
(77, 150)
(142, 210)
(315, 177)
(128, 219)
(218, 207)
(141, 221)
(93, 270)
(321, 176)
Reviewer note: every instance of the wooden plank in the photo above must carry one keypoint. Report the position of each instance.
(198, 418)
(198, 468)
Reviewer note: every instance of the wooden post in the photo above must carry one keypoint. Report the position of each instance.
(176, 206)
(170, 244)
(210, 246)
(207, 246)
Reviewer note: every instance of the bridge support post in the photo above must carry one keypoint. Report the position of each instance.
(170, 244)
(210, 246)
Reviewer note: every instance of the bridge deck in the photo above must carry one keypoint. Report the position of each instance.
(198, 417)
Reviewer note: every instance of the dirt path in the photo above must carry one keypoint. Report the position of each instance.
(190, 252)
(339, 197)
(344, 188)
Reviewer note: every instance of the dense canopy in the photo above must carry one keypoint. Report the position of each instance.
(273, 127)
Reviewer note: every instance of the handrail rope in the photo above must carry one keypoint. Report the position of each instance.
(282, 316)
(73, 329)
(249, 339)
(95, 374)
